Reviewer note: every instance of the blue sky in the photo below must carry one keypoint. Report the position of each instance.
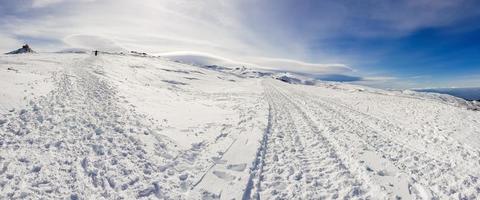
(430, 57)
(382, 43)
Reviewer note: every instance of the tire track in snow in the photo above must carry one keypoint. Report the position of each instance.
(445, 179)
(297, 162)
(253, 183)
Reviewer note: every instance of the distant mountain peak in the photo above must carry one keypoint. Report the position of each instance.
(25, 49)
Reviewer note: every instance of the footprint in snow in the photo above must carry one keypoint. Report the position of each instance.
(237, 167)
(224, 175)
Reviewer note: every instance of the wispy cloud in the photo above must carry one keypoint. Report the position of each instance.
(282, 34)
(211, 27)
(93, 42)
(284, 28)
(300, 66)
(274, 64)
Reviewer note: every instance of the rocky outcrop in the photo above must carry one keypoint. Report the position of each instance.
(25, 49)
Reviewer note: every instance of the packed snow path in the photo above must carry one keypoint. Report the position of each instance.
(129, 127)
(93, 135)
(76, 142)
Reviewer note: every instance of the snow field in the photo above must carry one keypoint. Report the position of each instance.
(75, 126)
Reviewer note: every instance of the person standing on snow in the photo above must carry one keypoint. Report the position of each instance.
(96, 52)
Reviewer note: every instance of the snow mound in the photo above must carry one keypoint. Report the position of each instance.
(74, 50)
(25, 49)
(294, 79)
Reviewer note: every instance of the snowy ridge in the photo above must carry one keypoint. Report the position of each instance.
(133, 126)
(293, 78)
(445, 98)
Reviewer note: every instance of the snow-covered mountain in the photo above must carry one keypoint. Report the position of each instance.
(133, 126)
(25, 49)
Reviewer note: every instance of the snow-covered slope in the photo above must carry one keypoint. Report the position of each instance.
(442, 98)
(124, 126)
(138, 127)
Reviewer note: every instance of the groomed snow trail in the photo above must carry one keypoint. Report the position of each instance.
(297, 161)
(318, 148)
(78, 143)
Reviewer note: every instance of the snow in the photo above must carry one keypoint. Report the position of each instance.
(122, 126)
(26, 77)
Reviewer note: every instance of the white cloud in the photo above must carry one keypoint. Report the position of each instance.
(44, 3)
(299, 66)
(202, 59)
(237, 27)
(277, 64)
(379, 78)
(93, 42)
(270, 34)
(212, 27)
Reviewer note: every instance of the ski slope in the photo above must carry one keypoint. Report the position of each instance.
(75, 126)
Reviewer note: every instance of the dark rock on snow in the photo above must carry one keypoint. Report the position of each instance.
(25, 49)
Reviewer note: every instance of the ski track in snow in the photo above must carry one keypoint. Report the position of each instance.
(83, 140)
